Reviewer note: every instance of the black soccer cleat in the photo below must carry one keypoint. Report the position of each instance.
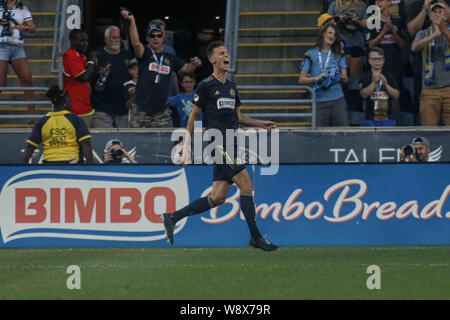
(169, 225)
(263, 244)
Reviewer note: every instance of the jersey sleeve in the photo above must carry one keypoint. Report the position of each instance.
(307, 61)
(35, 137)
(343, 62)
(80, 127)
(238, 99)
(73, 66)
(26, 14)
(174, 100)
(200, 96)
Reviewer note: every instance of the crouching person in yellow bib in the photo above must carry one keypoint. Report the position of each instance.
(61, 133)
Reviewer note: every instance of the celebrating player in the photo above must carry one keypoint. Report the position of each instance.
(218, 99)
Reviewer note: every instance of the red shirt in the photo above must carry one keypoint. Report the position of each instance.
(74, 64)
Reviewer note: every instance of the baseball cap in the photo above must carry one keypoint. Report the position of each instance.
(323, 18)
(153, 27)
(436, 4)
(421, 140)
(132, 62)
(110, 143)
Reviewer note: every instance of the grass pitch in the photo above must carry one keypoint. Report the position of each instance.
(291, 273)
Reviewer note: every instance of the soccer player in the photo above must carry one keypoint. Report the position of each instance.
(218, 99)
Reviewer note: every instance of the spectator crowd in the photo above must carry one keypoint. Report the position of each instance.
(375, 63)
(391, 71)
(396, 56)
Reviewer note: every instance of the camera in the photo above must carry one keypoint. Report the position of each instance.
(408, 150)
(116, 154)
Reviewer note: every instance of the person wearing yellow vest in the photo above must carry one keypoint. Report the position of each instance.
(61, 134)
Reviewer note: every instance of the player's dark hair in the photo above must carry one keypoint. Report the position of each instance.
(213, 45)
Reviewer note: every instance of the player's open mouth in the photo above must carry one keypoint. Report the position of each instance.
(226, 62)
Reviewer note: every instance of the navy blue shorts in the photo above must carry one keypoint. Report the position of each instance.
(226, 172)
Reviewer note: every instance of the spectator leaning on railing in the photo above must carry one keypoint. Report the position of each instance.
(15, 19)
(434, 43)
(325, 68)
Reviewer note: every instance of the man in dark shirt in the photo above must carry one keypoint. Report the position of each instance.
(218, 99)
(108, 99)
(155, 68)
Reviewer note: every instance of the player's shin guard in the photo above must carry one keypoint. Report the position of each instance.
(248, 209)
(195, 207)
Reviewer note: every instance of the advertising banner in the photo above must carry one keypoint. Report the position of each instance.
(359, 146)
(301, 205)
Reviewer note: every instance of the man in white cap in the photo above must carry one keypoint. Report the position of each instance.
(420, 150)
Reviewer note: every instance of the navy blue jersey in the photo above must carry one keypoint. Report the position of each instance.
(219, 102)
(154, 78)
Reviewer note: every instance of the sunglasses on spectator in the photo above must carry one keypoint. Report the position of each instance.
(160, 35)
(377, 59)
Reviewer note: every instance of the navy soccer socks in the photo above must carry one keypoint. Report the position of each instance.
(195, 207)
(248, 209)
(206, 203)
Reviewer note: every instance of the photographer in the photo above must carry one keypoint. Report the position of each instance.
(418, 151)
(115, 153)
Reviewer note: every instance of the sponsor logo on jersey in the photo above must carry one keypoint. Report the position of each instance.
(226, 103)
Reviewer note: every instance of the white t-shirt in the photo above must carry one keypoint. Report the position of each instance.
(17, 16)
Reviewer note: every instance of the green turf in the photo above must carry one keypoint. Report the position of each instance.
(227, 273)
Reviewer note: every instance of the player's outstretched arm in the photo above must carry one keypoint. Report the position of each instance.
(247, 121)
(186, 152)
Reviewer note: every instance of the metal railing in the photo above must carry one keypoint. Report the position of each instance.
(23, 102)
(311, 101)
(60, 42)
(232, 32)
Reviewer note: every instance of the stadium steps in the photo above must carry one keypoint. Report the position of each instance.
(273, 37)
(38, 47)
